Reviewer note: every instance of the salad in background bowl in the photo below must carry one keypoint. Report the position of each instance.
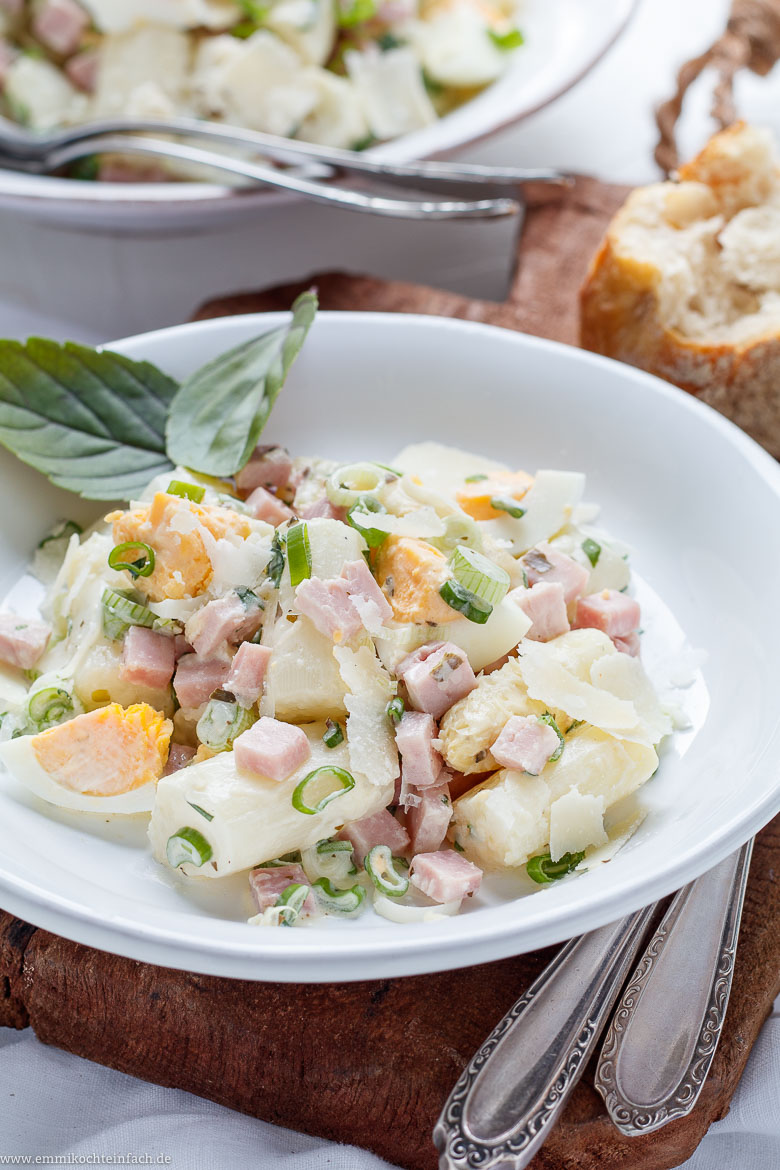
(403, 717)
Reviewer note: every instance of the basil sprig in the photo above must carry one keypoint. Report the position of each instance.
(219, 412)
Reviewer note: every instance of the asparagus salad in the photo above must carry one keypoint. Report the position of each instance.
(356, 684)
(343, 73)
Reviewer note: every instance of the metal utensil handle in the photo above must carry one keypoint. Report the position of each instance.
(320, 192)
(662, 1038)
(507, 1099)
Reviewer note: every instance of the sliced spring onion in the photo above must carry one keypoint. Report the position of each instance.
(511, 39)
(592, 551)
(550, 722)
(544, 870)
(480, 575)
(64, 532)
(275, 566)
(122, 610)
(335, 901)
(209, 816)
(397, 912)
(332, 845)
(355, 12)
(358, 518)
(458, 529)
(475, 478)
(331, 859)
(347, 485)
(291, 901)
(249, 599)
(379, 865)
(142, 566)
(189, 847)
(345, 780)
(49, 706)
(465, 602)
(222, 722)
(334, 734)
(298, 553)
(395, 709)
(509, 505)
(187, 491)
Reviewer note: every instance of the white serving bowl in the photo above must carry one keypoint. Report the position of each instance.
(564, 40)
(698, 501)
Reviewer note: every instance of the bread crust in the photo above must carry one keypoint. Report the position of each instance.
(620, 318)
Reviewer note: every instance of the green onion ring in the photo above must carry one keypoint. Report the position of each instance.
(49, 706)
(338, 901)
(379, 865)
(465, 602)
(298, 553)
(187, 847)
(140, 568)
(543, 869)
(187, 491)
(291, 901)
(334, 734)
(345, 779)
(509, 505)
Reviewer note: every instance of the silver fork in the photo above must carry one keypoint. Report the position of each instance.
(40, 153)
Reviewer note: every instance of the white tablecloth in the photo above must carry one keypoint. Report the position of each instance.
(96, 287)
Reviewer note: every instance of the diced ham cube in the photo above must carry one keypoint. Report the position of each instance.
(268, 884)
(60, 25)
(379, 829)
(445, 876)
(247, 673)
(197, 678)
(12, 7)
(323, 508)
(265, 506)
(82, 70)
(181, 646)
(525, 744)
(268, 467)
(328, 605)
(629, 644)
(614, 613)
(545, 563)
(179, 756)
(420, 761)
(22, 642)
(545, 605)
(436, 676)
(271, 748)
(367, 598)
(148, 658)
(427, 821)
(225, 620)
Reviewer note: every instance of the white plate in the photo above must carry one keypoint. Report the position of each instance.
(698, 501)
(564, 40)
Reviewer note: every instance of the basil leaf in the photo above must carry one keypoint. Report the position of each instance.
(219, 412)
(91, 420)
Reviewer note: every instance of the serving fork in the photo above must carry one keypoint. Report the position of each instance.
(309, 167)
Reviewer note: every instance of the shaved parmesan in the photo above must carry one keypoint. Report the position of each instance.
(371, 739)
(549, 505)
(625, 678)
(551, 680)
(576, 821)
(422, 523)
(303, 680)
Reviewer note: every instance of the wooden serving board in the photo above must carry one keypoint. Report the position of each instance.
(372, 1063)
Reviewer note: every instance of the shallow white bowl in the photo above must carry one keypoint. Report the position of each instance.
(564, 40)
(698, 501)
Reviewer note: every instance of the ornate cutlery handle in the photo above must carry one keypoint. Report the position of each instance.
(507, 1099)
(663, 1036)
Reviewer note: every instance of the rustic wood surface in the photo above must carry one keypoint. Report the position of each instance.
(372, 1063)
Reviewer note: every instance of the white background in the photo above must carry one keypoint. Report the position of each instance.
(93, 287)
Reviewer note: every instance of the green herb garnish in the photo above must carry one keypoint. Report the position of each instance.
(512, 39)
(544, 870)
(465, 602)
(592, 550)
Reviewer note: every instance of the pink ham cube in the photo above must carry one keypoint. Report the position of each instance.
(428, 820)
(545, 604)
(323, 509)
(445, 876)
(225, 620)
(328, 605)
(545, 563)
(379, 829)
(247, 673)
(179, 756)
(272, 749)
(268, 467)
(22, 642)
(60, 25)
(7, 58)
(629, 644)
(197, 678)
(525, 744)
(421, 763)
(148, 658)
(436, 676)
(615, 614)
(265, 506)
(267, 885)
(366, 596)
(82, 70)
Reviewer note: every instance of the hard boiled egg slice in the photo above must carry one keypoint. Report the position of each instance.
(106, 761)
